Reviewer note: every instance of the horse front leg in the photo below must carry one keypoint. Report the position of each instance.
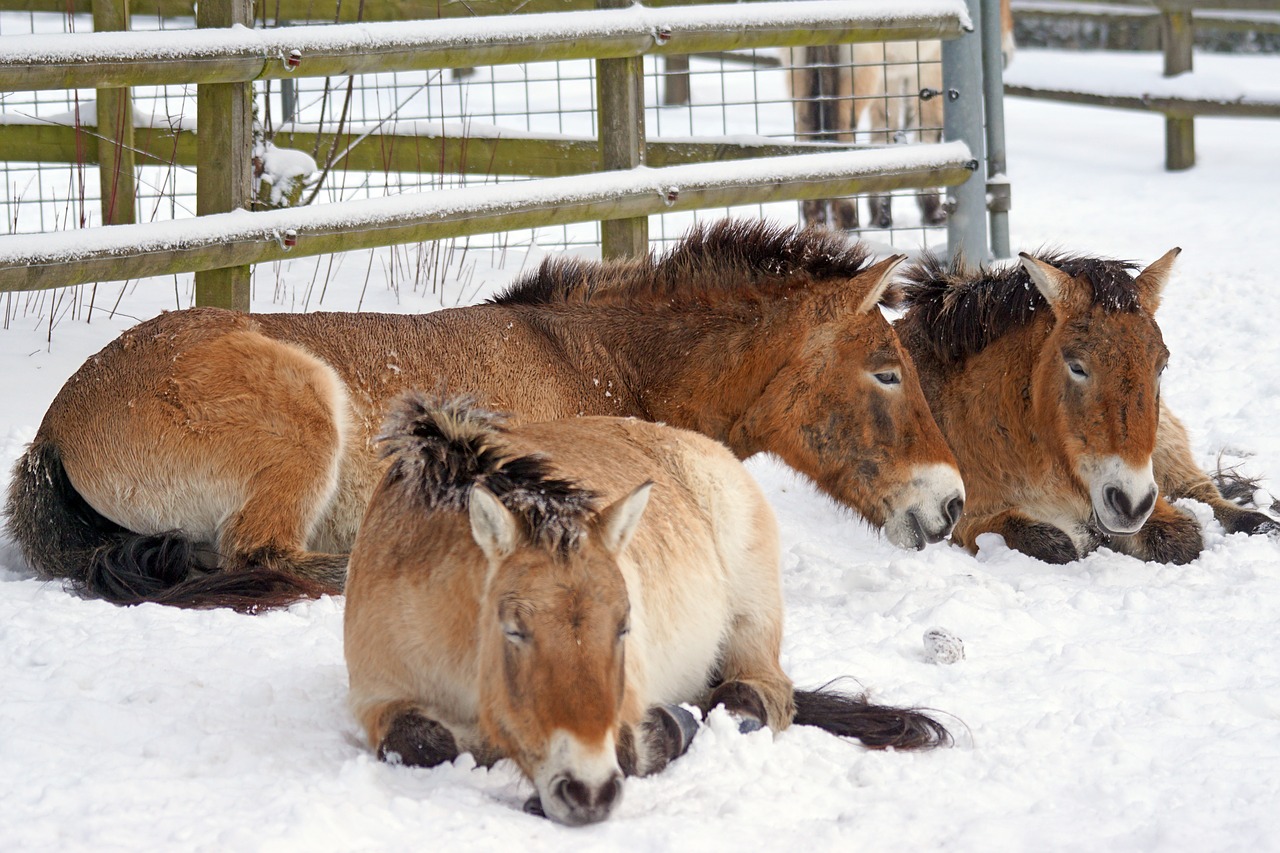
(661, 737)
(402, 732)
(1178, 476)
(1039, 539)
(1169, 536)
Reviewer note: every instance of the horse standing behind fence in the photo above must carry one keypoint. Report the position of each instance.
(897, 85)
(212, 458)
(1045, 378)
(511, 595)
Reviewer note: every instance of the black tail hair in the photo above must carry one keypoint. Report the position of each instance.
(1238, 488)
(62, 537)
(877, 726)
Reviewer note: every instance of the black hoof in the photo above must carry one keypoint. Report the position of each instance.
(533, 806)
(1042, 541)
(743, 703)
(1254, 524)
(678, 728)
(416, 741)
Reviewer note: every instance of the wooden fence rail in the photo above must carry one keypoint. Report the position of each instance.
(1177, 29)
(219, 246)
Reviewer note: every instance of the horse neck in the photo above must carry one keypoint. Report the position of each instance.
(700, 368)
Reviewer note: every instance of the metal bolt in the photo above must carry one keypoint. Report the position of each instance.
(663, 35)
(671, 195)
(293, 60)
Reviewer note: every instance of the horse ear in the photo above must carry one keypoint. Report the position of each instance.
(617, 522)
(492, 525)
(1153, 279)
(881, 277)
(1054, 285)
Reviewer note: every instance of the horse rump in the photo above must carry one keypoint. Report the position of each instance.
(62, 536)
(877, 726)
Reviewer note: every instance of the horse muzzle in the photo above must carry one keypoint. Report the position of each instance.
(927, 509)
(1122, 496)
(573, 802)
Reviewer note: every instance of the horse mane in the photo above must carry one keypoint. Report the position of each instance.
(441, 447)
(727, 260)
(959, 310)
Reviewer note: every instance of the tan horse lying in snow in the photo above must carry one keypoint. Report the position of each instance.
(548, 592)
(1045, 378)
(212, 458)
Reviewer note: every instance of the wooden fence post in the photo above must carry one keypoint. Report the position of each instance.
(117, 177)
(1176, 36)
(224, 141)
(675, 79)
(620, 101)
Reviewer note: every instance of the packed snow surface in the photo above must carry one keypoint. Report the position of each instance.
(1103, 705)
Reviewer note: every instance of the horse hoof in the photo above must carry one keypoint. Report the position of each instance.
(1255, 524)
(680, 725)
(747, 725)
(533, 806)
(415, 741)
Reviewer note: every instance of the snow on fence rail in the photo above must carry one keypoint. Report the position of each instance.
(1180, 97)
(225, 56)
(33, 262)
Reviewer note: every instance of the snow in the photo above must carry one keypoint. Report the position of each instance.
(1106, 704)
(1225, 78)
(635, 21)
(473, 202)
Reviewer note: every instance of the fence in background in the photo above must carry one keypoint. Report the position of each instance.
(1175, 22)
(616, 140)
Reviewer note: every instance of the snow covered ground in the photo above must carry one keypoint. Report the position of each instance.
(1106, 704)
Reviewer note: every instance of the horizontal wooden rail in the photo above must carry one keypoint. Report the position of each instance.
(106, 60)
(1170, 106)
(423, 152)
(34, 262)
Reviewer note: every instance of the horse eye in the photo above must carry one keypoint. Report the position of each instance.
(514, 635)
(624, 631)
(1077, 369)
(888, 377)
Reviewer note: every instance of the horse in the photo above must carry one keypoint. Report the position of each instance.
(213, 458)
(551, 592)
(897, 85)
(1045, 379)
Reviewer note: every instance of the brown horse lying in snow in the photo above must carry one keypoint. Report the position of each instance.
(511, 595)
(1045, 378)
(211, 458)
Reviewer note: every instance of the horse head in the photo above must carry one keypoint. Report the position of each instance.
(1097, 381)
(847, 410)
(554, 621)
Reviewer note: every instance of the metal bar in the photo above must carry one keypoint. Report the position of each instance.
(224, 145)
(962, 121)
(998, 187)
(39, 62)
(34, 262)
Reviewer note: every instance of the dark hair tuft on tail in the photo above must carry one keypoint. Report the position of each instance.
(877, 726)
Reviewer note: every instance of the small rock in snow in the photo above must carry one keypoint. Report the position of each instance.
(942, 646)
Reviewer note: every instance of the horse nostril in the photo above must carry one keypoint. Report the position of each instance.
(609, 792)
(1147, 504)
(573, 793)
(955, 506)
(1118, 501)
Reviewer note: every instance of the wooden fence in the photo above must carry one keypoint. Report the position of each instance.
(1177, 20)
(219, 246)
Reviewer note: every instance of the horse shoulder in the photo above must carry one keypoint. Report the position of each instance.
(414, 587)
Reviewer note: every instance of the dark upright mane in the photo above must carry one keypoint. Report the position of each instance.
(960, 310)
(440, 447)
(726, 260)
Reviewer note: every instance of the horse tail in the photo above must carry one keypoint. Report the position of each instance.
(877, 726)
(62, 536)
